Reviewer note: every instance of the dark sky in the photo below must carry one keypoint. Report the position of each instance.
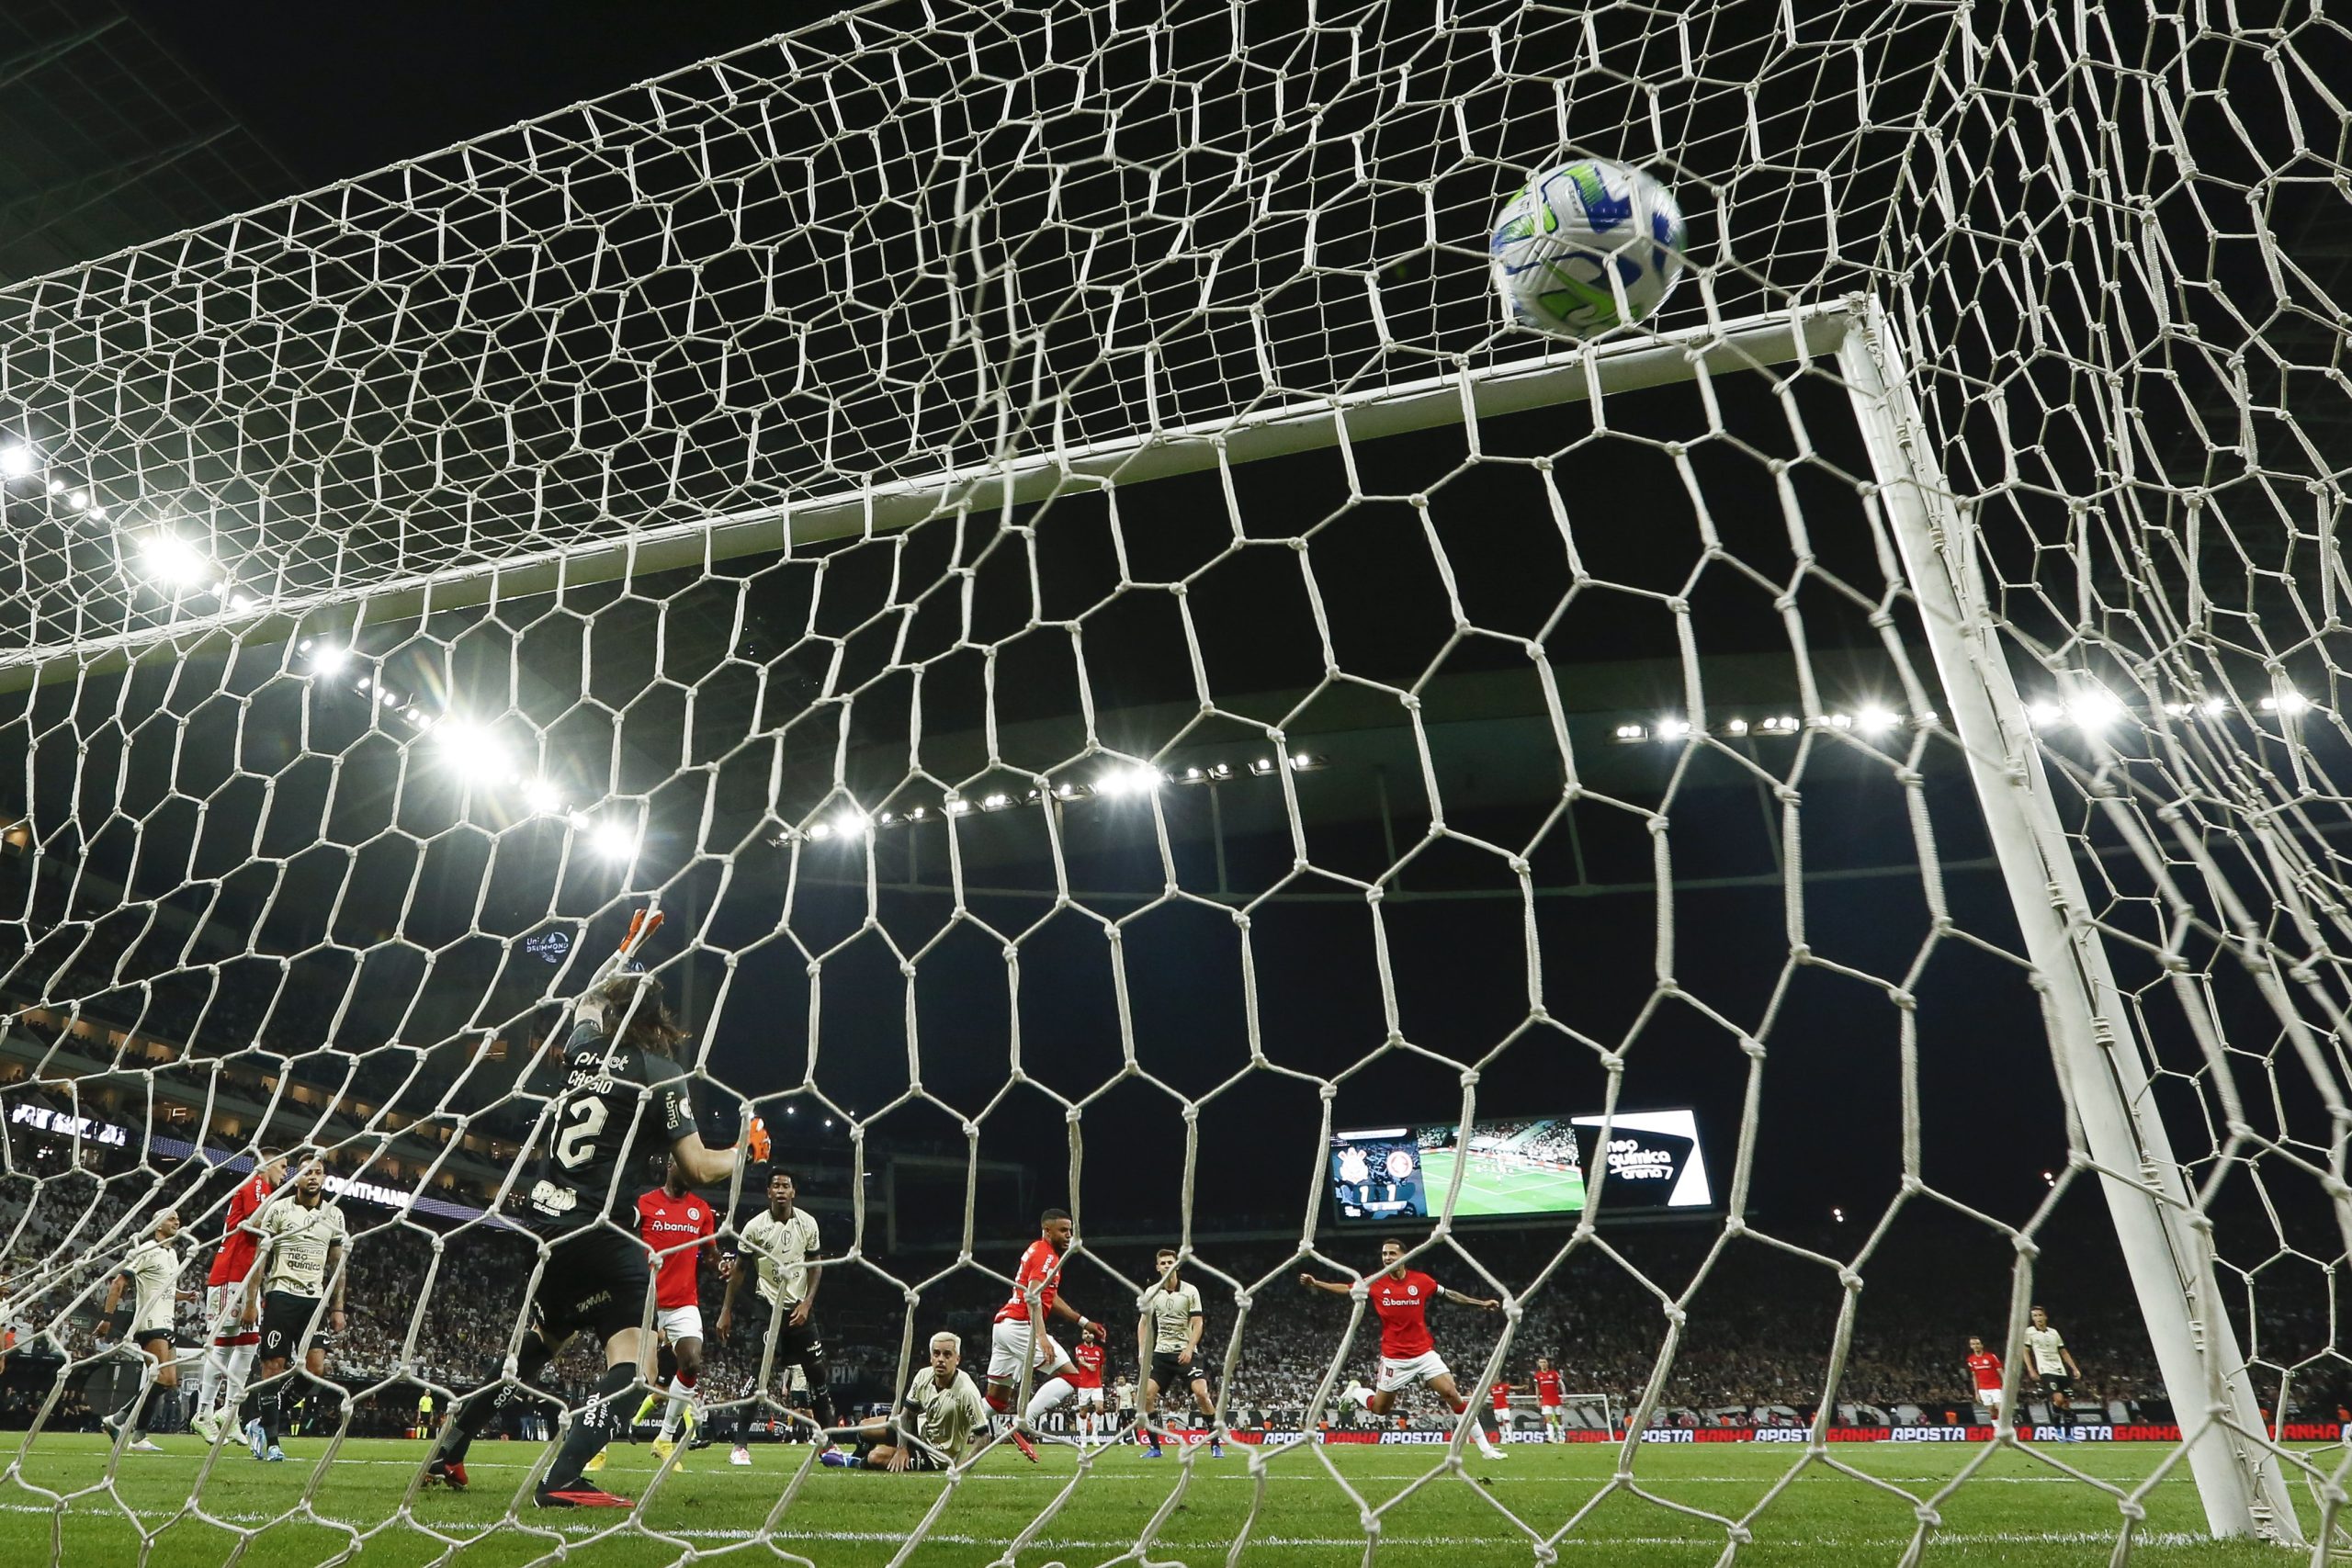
(338, 90)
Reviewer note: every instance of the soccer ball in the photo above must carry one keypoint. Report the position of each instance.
(1557, 243)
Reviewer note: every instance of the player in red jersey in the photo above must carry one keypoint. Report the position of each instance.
(1088, 1355)
(1554, 1404)
(1408, 1354)
(676, 1226)
(1016, 1341)
(1501, 1393)
(1985, 1369)
(228, 1359)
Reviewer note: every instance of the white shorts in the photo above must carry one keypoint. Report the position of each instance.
(1990, 1398)
(1009, 1350)
(222, 1306)
(679, 1323)
(1091, 1398)
(159, 1328)
(1395, 1375)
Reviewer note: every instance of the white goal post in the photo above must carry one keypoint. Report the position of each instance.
(1021, 531)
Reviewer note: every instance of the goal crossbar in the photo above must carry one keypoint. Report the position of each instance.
(1751, 343)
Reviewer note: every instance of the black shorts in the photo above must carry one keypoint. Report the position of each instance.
(595, 1281)
(285, 1319)
(2058, 1383)
(1171, 1373)
(801, 1346)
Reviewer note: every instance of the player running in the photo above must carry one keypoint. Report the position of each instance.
(154, 1266)
(1552, 1403)
(1408, 1354)
(2047, 1358)
(676, 1226)
(1168, 1344)
(941, 1419)
(624, 1098)
(780, 1240)
(302, 1238)
(1015, 1341)
(1984, 1371)
(1088, 1356)
(229, 1344)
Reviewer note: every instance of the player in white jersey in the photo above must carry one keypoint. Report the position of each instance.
(152, 1266)
(778, 1245)
(2047, 1358)
(302, 1240)
(942, 1420)
(1167, 1343)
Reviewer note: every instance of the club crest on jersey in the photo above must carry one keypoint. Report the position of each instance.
(1412, 1290)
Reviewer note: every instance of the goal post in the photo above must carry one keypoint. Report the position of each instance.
(2166, 1242)
(1032, 475)
(1024, 533)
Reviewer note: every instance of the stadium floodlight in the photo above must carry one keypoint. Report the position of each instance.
(997, 801)
(956, 806)
(1125, 779)
(1736, 727)
(328, 658)
(172, 562)
(2044, 713)
(613, 839)
(18, 459)
(541, 798)
(2288, 703)
(1630, 732)
(1876, 720)
(98, 514)
(1673, 728)
(473, 751)
(2094, 711)
(79, 500)
(850, 824)
(57, 487)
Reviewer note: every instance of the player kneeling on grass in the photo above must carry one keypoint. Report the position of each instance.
(624, 1095)
(1408, 1354)
(937, 1424)
(154, 1266)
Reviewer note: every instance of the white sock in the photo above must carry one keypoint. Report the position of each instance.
(208, 1382)
(1360, 1395)
(675, 1410)
(240, 1366)
(1050, 1392)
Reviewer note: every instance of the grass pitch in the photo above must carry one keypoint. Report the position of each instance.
(1485, 1191)
(2018, 1509)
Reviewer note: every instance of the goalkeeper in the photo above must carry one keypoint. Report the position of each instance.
(624, 1096)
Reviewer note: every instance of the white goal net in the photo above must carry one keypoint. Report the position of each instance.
(1022, 532)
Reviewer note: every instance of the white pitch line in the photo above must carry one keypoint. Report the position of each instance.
(1825, 1542)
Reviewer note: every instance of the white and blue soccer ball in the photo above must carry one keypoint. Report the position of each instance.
(1575, 230)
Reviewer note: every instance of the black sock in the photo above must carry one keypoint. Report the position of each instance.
(593, 1426)
(479, 1408)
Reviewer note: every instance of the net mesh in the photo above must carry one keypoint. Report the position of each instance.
(406, 583)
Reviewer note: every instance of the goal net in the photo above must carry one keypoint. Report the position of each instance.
(1022, 533)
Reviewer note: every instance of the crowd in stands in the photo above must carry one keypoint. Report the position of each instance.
(1760, 1319)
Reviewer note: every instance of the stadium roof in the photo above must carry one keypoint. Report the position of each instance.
(109, 139)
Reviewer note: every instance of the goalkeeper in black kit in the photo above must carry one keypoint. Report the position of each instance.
(623, 1098)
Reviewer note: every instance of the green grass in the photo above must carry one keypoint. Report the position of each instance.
(2016, 1510)
(1486, 1192)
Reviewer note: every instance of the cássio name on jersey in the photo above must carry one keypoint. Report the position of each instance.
(618, 1104)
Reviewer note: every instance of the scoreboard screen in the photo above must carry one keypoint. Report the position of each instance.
(1519, 1165)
